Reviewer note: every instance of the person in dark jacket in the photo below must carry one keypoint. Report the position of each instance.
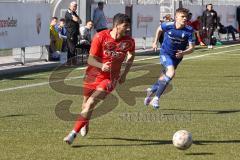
(209, 22)
(72, 25)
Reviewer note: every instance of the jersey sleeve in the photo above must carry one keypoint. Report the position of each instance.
(163, 26)
(191, 37)
(96, 46)
(132, 49)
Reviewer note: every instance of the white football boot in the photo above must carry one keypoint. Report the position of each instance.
(148, 99)
(84, 130)
(155, 102)
(70, 137)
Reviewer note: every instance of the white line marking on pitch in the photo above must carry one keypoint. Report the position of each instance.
(39, 84)
(72, 78)
(82, 68)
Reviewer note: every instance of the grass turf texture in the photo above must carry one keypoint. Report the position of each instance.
(204, 100)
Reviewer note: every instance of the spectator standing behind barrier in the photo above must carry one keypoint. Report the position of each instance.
(55, 41)
(99, 19)
(72, 26)
(209, 20)
(85, 35)
(62, 32)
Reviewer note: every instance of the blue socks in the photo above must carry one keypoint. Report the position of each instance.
(162, 84)
(155, 87)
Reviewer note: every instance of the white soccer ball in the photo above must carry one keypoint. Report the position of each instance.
(182, 139)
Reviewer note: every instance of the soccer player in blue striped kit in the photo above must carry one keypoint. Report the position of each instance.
(178, 41)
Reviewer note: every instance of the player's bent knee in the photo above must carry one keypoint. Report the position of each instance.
(92, 102)
(170, 73)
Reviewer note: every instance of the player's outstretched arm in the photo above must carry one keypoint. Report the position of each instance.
(129, 62)
(157, 36)
(189, 50)
(92, 60)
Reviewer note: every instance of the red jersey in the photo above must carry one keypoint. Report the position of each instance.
(189, 23)
(106, 49)
(196, 25)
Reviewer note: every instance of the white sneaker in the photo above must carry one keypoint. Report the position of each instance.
(148, 99)
(84, 130)
(70, 138)
(210, 47)
(155, 102)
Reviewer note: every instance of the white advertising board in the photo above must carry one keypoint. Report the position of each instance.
(227, 15)
(145, 20)
(196, 11)
(23, 25)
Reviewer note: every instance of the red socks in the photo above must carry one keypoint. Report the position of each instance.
(81, 122)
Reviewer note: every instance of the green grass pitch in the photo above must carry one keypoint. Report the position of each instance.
(204, 99)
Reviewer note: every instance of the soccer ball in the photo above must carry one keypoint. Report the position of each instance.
(182, 139)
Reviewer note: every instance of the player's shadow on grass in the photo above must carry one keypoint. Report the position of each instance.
(147, 142)
(199, 154)
(16, 115)
(200, 111)
(144, 142)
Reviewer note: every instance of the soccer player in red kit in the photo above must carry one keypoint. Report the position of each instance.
(109, 49)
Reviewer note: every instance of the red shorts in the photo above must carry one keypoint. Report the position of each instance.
(91, 85)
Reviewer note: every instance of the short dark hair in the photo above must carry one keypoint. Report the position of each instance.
(100, 3)
(89, 21)
(54, 18)
(182, 10)
(209, 4)
(121, 18)
(62, 20)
